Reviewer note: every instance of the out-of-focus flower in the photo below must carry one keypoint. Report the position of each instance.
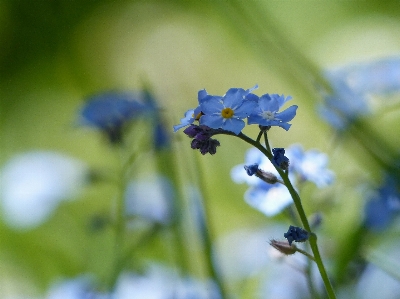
(33, 184)
(353, 88)
(272, 199)
(227, 112)
(266, 114)
(157, 283)
(267, 198)
(377, 283)
(80, 287)
(111, 111)
(310, 165)
(383, 205)
(150, 199)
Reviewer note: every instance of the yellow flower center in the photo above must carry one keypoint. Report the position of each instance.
(227, 113)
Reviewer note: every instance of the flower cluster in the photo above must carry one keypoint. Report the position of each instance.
(270, 198)
(227, 114)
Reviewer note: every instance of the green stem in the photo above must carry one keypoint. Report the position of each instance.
(301, 212)
(206, 232)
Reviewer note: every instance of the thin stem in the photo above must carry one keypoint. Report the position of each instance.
(300, 210)
(305, 253)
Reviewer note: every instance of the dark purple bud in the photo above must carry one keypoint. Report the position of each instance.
(279, 159)
(296, 234)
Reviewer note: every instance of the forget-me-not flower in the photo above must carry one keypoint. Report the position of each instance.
(383, 205)
(310, 165)
(111, 111)
(33, 184)
(192, 114)
(269, 198)
(354, 87)
(227, 112)
(266, 114)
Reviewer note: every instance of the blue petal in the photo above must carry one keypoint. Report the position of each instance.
(245, 109)
(234, 125)
(271, 201)
(234, 97)
(187, 120)
(212, 121)
(211, 105)
(268, 103)
(288, 114)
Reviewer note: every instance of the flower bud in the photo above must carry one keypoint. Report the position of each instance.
(283, 247)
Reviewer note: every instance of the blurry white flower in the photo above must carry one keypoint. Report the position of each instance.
(150, 198)
(33, 184)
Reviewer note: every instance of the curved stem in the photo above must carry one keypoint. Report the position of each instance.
(300, 210)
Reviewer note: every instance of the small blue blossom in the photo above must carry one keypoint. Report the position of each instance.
(383, 205)
(279, 159)
(310, 165)
(266, 114)
(270, 199)
(296, 234)
(227, 112)
(111, 111)
(354, 87)
(193, 114)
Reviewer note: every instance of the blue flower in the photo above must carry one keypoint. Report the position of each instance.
(227, 112)
(270, 199)
(354, 86)
(266, 114)
(310, 165)
(192, 114)
(111, 111)
(383, 205)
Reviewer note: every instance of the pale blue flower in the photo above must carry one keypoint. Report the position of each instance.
(310, 165)
(266, 114)
(193, 114)
(227, 112)
(354, 87)
(33, 184)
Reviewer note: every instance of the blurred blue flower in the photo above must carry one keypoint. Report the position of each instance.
(266, 114)
(383, 205)
(227, 112)
(310, 165)
(267, 198)
(150, 199)
(353, 87)
(156, 283)
(33, 184)
(111, 111)
(271, 199)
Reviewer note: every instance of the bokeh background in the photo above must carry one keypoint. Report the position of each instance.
(54, 55)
